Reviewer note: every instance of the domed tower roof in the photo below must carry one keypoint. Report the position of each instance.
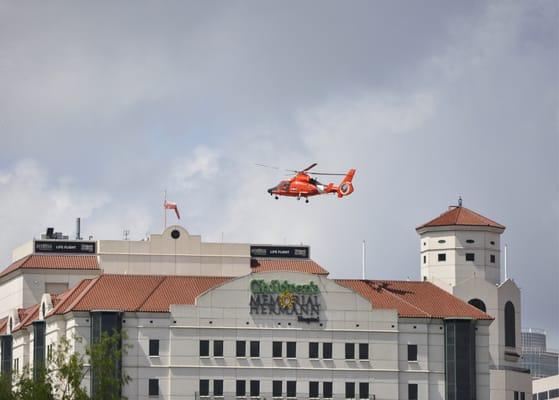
(460, 216)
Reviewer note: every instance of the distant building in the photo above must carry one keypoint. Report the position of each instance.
(536, 357)
(546, 388)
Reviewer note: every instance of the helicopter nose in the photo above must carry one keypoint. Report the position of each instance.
(270, 190)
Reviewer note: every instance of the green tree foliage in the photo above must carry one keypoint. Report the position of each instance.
(105, 359)
(62, 377)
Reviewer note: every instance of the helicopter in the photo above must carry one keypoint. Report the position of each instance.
(305, 185)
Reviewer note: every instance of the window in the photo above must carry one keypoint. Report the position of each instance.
(313, 390)
(442, 241)
(516, 395)
(241, 348)
(218, 387)
(276, 349)
(204, 388)
(153, 387)
(327, 351)
(412, 352)
(291, 389)
(492, 243)
(350, 351)
(363, 390)
(492, 258)
(477, 303)
(291, 349)
(49, 351)
(153, 347)
(412, 391)
(16, 365)
(204, 348)
(554, 393)
(441, 257)
(363, 351)
(276, 389)
(424, 259)
(218, 348)
(470, 257)
(470, 241)
(241, 388)
(510, 325)
(349, 390)
(255, 388)
(522, 396)
(327, 390)
(542, 396)
(255, 349)
(313, 350)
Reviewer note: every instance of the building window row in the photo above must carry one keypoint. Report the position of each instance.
(287, 389)
(278, 349)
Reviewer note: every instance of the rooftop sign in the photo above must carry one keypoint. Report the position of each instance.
(264, 251)
(64, 246)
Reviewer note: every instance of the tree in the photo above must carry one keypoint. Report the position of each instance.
(106, 366)
(62, 377)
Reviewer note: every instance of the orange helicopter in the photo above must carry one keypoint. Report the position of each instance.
(304, 185)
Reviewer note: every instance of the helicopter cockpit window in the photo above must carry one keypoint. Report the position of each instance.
(314, 181)
(284, 185)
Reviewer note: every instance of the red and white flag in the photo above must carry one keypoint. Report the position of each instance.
(169, 205)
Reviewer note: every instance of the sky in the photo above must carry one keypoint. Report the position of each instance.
(105, 105)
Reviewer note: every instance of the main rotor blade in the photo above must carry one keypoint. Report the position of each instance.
(267, 166)
(309, 167)
(325, 173)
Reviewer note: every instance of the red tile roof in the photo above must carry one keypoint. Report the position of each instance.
(291, 265)
(3, 325)
(35, 261)
(461, 216)
(413, 299)
(146, 293)
(26, 316)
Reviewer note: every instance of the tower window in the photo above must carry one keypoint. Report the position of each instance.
(154, 347)
(510, 325)
(412, 352)
(441, 257)
(477, 303)
(492, 258)
(492, 243)
(442, 241)
(470, 257)
(470, 241)
(204, 348)
(424, 259)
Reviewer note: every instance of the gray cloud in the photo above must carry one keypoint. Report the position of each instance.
(103, 106)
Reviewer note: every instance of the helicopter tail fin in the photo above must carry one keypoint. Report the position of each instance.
(346, 186)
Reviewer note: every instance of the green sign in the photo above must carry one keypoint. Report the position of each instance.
(259, 286)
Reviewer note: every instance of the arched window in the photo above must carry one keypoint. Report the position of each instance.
(510, 325)
(477, 303)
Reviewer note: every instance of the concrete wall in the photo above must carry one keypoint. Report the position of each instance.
(164, 255)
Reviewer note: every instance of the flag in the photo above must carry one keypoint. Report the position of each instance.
(169, 205)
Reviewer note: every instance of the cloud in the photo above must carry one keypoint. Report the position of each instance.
(31, 200)
(194, 169)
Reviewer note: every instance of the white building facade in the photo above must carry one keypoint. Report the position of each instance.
(230, 321)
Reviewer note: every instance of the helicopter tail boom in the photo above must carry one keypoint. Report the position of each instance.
(346, 186)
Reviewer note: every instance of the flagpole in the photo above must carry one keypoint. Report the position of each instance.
(165, 210)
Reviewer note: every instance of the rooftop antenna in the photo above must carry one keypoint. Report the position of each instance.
(78, 228)
(125, 233)
(506, 276)
(459, 201)
(364, 259)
